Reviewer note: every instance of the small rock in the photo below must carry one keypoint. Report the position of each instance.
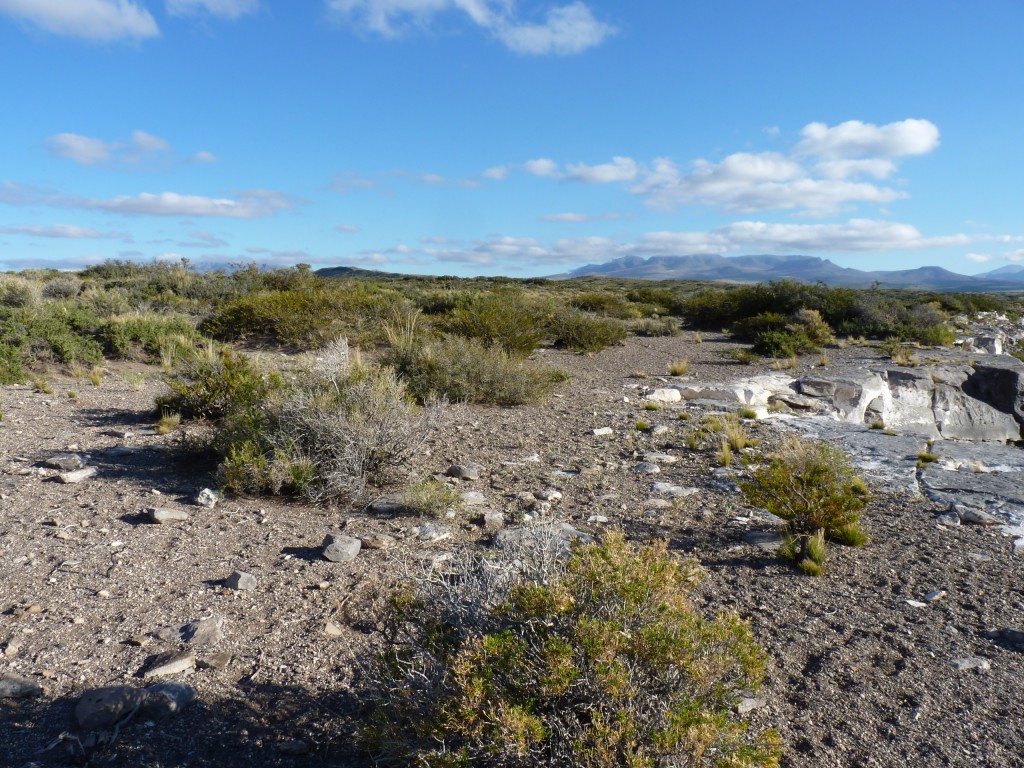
(387, 505)
(1018, 547)
(977, 557)
(161, 515)
(647, 468)
(17, 687)
(215, 661)
(938, 594)
(78, 475)
(674, 491)
(207, 498)
(241, 581)
(166, 699)
(916, 604)
(103, 708)
(1009, 636)
(12, 647)
(657, 504)
(661, 458)
(765, 540)
(970, 662)
(597, 519)
(526, 499)
(65, 462)
(665, 396)
(332, 629)
(541, 507)
(493, 520)
(470, 471)
(339, 548)
(603, 431)
(208, 631)
(378, 541)
(548, 494)
(949, 519)
(750, 703)
(430, 533)
(170, 664)
(974, 515)
(658, 429)
(472, 499)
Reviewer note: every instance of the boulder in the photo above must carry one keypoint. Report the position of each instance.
(1000, 383)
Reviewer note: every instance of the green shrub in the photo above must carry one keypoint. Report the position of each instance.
(662, 326)
(781, 344)
(122, 334)
(218, 384)
(585, 333)
(809, 324)
(11, 370)
(505, 319)
(464, 370)
(601, 661)
(814, 488)
(429, 498)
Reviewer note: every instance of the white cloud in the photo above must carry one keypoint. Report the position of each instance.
(202, 157)
(619, 169)
(227, 9)
(746, 182)
(857, 139)
(347, 229)
(63, 231)
(85, 150)
(978, 258)
(346, 181)
(96, 20)
(252, 204)
(497, 173)
(542, 167)
(1017, 255)
(876, 167)
(81, 149)
(566, 30)
(580, 218)
(853, 236)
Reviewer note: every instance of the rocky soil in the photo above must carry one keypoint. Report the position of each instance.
(903, 654)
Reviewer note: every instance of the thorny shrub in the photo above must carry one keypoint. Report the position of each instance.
(595, 660)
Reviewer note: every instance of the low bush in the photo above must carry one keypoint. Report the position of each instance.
(600, 660)
(814, 488)
(465, 370)
(662, 326)
(585, 333)
(124, 335)
(506, 319)
(214, 384)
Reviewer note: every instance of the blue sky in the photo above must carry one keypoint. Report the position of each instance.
(513, 137)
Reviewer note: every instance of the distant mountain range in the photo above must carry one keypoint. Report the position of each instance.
(756, 269)
(810, 269)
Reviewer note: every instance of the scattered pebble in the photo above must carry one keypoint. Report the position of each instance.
(339, 548)
(241, 581)
(970, 662)
(207, 498)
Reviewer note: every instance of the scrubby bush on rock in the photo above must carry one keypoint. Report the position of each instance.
(814, 488)
(602, 661)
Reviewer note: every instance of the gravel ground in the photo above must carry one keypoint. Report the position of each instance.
(90, 591)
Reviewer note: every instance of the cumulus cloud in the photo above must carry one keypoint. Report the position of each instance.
(542, 166)
(1015, 256)
(566, 30)
(86, 150)
(250, 204)
(94, 20)
(68, 231)
(857, 139)
(497, 173)
(876, 167)
(619, 169)
(745, 182)
(978, 258)
(226, 9)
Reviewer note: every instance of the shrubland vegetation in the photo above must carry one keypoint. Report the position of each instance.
(534, 659)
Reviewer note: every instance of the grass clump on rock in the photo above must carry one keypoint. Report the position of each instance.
(814, 488)
(598, 660)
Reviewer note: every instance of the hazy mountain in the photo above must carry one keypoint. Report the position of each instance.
(811, 269)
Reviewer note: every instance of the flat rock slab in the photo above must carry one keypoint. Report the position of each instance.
(470, 471)
(970, 662)
(378, 541)
(103, 708)
(17, 687)
(77, 476)
(65, 462)
(673, 491)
